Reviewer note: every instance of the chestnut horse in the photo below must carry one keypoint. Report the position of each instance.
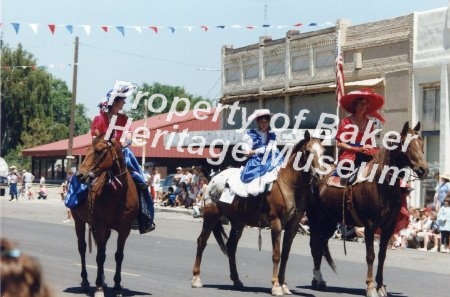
(112, 203)
(282, 208)
(373, 204)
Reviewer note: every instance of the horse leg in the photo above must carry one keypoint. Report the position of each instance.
(101, 235)
(235, 235)
(370, 257)
(121, 239)
(289, 234)
(275, 226)
(384, 241)
(209, 222)
(316, 243)
(80, 230)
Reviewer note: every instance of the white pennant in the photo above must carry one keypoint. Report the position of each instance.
(138, 29)
(87, 29)
(34, 27)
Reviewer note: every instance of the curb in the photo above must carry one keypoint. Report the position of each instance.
(185, 211)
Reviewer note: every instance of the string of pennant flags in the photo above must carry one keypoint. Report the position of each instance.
(156, 29)
(36, 67)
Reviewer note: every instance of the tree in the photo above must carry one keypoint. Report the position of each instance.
(170, 92)
(35, 105)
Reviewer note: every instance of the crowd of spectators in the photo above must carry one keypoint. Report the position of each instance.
(187, 189)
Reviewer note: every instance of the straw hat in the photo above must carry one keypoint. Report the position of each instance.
(375, 102)
(445, 175)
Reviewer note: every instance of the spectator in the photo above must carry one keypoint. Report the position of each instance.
(199, 200)
(441, 190)
(12, 181)
(443, 218)
(432, 234)
(182, 196)
(155, 181)
(28, 179)
(21, 275)
(42, 192)
(178, 175)
(42, 180)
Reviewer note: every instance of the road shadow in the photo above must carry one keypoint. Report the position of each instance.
(244, 289)
(349, 291)
(108, 292)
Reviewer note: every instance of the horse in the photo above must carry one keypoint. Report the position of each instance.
(374, 205)
(111, 204)
(281, 208)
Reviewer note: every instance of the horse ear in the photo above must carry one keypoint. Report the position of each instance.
(405, 129)
(417, 127)
(307, 136)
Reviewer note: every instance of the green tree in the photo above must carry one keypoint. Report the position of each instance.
(35, 107)
(25, 96)
(170, 92)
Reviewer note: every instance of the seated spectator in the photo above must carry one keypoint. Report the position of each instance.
(409, 234)
(42, 192)
(21, 275)
(431, 233)
(182, 195)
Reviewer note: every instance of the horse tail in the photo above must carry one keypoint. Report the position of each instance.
(326, 253)
(221, 236)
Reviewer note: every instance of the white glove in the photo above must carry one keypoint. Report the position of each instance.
(260, 151)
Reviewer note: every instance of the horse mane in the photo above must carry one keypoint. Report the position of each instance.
(298, 146)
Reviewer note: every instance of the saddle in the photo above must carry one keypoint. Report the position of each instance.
(355, 178)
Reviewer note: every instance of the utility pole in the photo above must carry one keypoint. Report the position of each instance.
(69, 156)
(145, 126)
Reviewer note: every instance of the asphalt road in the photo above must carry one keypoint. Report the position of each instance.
(160, 263)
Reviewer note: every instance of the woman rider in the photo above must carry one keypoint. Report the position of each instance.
(115, 100)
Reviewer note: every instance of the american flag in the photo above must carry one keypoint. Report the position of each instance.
(339, 78)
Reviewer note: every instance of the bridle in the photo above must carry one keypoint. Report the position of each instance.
(94, 172)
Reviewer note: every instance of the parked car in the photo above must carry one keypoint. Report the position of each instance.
(3, 185)
(168, 181)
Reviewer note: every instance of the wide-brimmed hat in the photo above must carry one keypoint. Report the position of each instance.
(375, 102)
(445, 175)
(179, 168)
(123, 91)
(259, 113)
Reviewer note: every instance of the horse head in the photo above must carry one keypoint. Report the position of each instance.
(411, 153)
(101, 156)
(307, 155)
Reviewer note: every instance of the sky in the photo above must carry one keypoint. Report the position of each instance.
(188, 57)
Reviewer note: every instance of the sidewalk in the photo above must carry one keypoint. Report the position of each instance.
(54, 197)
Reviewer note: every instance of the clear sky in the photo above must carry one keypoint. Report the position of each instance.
(178, 58)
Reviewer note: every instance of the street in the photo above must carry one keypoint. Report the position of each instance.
(160, 263)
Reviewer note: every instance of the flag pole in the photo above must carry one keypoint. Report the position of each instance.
(340, 87)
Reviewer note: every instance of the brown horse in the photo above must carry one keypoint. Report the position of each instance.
(374, 205)
(112, 203)
(281, 209)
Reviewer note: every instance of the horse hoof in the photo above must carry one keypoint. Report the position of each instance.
(286, 290)
(85, 286)
(382, 291)
(196, 282)
(99, 292)
(316, 285)
(118, 291)
(372, 292)
(238, 285)
(277, 290)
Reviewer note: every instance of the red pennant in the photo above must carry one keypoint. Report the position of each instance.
(250, 27)
(105, 28)
(205, 28)
(154, 29)
(52, 28)
(298, 25)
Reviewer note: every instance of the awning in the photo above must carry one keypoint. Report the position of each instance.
(362, 83)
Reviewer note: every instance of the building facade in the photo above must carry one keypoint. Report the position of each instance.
(297, 73)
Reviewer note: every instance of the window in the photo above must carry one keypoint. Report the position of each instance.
(431, 109)
(232, 74)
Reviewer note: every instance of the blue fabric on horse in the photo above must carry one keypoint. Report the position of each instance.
(254, 167)
(76, 193)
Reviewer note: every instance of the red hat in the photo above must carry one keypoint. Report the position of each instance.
(375, 102)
